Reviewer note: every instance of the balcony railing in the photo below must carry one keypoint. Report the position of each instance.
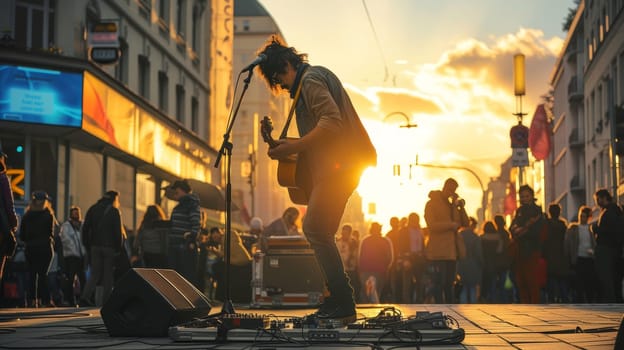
(575, 139)
(574, 89)
(576, 185)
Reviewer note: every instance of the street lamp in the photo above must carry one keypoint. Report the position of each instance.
(408, 124)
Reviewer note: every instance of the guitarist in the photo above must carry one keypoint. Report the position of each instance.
(526, 231)
(336, 149)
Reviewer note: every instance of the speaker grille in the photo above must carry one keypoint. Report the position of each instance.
(177, 291)
(145, 302)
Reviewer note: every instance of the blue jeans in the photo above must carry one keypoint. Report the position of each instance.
(326, 205)
(102, 272)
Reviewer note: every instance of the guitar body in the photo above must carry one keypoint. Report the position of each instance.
(292, 172)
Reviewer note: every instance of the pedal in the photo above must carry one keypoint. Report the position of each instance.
(244, 321)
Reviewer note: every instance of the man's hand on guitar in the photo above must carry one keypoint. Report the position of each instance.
(282, 149)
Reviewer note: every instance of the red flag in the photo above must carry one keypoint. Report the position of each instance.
(510, 200)
(539, 134)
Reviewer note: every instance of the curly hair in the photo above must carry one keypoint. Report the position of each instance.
(278, 56)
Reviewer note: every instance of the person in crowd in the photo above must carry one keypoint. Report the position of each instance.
(256, 226)
(240, 272)
(510, 293)
(495, 246)
(375, 258)
(74, 253)
(185, 227)
(151, 240)
(8, 218)
(210, 252)
(395, 226)
(37, 233)
(470, 267)
(103, 237)
(286, 225)
(56, 274)
(409, 261)
(349, 250)
(337, 150)
(579, 246)
(526, 231)
(558, 271)
(609, 240)
(444, 214)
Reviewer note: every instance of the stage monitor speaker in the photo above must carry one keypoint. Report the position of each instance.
(146, 302)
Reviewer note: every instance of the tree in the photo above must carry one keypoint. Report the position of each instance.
(567, 22)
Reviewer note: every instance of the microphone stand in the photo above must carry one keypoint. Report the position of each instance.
(226, 150)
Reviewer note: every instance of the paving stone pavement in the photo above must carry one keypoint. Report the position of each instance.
(487, 326)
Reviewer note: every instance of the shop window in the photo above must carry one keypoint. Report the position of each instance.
(43, 165)
(146, 194)
(85, 178)
(121, 177)
(14, 148)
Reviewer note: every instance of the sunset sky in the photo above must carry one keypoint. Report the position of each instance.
(445, 63)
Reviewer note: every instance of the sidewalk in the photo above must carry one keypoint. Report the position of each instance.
(487, 326)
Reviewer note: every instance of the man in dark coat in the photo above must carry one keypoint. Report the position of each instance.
(609, 239)
(185, 226)
(102, 236)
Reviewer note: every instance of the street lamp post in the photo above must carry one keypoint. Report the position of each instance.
(483, 191)
(408, 124)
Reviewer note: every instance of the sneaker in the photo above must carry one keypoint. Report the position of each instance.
(342, 313)
(328, 305)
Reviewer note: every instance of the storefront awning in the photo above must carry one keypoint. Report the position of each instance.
(210, 196)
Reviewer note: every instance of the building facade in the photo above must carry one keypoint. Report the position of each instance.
(255, 180)
(588, 83)
(76, 128)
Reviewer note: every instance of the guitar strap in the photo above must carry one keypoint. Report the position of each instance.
(293, 106)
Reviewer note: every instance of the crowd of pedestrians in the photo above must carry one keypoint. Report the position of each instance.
(537, 258)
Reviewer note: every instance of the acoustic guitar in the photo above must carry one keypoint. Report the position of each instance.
(292, 172)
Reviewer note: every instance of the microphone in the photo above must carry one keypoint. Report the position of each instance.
(261, 58)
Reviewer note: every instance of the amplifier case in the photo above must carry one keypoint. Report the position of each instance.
(286, 279)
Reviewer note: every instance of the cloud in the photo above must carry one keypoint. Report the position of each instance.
(463, 105)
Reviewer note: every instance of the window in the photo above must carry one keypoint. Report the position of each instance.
(144, 81)
(180, 18)
(121, 68)
(163, 92)
(195, 34)
(180, 103)
(194, 115)
(163, 11)
(145, 8)
(34, 24)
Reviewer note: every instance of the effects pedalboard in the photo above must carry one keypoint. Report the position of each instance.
(389, 326)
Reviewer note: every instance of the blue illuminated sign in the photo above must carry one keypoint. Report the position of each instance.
(43, 96)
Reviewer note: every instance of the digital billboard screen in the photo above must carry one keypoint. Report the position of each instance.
(42, 96)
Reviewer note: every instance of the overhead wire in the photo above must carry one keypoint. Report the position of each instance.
(383, 57)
